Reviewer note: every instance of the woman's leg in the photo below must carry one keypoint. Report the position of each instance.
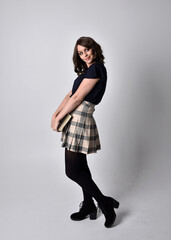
(77, 169)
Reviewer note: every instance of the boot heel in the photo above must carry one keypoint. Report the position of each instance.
(115, 204)
(93, 215)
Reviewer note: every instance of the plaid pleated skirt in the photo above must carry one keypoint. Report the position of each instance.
(81, 133)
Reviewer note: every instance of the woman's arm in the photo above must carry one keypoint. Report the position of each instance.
(54, 121)
(65, 100)
(85, 87)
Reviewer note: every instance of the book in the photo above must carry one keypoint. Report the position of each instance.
(64, 122)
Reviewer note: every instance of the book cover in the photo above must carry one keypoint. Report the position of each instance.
(63, 122)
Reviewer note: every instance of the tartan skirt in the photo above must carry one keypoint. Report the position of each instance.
(81, 134)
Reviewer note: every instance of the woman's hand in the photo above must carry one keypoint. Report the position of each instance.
(54, 123)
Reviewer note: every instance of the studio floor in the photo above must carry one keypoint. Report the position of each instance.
(39, 209)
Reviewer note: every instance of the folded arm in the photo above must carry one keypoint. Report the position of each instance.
(85, 87)
(65, 100)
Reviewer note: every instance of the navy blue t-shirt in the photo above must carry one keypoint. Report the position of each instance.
(96, 70)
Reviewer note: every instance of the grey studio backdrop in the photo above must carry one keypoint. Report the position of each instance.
(36, 72)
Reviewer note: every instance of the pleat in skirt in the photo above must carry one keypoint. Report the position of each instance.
(81, 133)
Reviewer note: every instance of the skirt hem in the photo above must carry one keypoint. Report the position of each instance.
(81, 151)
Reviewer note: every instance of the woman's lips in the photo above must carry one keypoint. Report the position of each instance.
(87, 58)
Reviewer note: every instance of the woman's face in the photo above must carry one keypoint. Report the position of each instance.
(85, 54)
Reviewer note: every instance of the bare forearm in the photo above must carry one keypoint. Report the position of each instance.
(72, 103)
(63, 103)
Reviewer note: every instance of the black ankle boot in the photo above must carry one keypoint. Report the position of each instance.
(107, 207)
(85, 210)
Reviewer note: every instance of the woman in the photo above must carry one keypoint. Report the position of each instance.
(80, 136)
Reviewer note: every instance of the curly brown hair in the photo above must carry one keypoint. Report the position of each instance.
(79, 65)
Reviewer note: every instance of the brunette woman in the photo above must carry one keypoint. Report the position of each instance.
(80, 136)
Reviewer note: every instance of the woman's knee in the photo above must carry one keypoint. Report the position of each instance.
(74, 164)
(70, 173)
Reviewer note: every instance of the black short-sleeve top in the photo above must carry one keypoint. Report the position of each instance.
(96, 70)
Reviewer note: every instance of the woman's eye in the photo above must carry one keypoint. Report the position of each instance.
(86, 50)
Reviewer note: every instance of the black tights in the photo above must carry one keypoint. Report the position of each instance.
(77, 169)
